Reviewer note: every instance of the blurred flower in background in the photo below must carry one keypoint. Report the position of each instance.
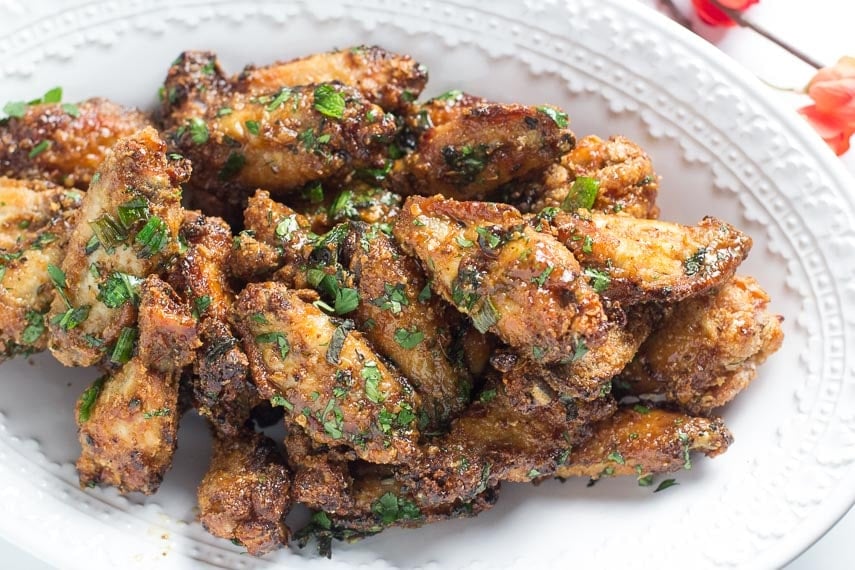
(714, 16)
(832, 113)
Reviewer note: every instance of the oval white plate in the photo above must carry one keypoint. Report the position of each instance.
(722, 149)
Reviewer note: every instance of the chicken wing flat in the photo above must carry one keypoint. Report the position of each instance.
(280, 141)
(220, 382)
(444, 108)
(609, 176)
(588, 375)
(407, 323)
(511, 280)
(325, 374)
(485, 147)
(644, 441)
(387, 79)
(246, 493)
(128, 420)
(35, 221)
(708, 348)
(631, 260)
(127, 228)
(64, 144)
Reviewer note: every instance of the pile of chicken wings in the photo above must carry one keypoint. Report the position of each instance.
(435, 296)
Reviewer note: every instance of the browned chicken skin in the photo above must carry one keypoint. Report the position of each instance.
(64, 144)
(246, 493)
(708, 348)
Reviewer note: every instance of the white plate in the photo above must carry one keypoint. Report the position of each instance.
(722, 148)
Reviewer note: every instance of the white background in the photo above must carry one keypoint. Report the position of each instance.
(821, 28)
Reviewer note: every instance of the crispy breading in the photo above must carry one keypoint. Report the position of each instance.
(480, 150)
(327, 376)
(167, 332)
(65, 147)
(352, 200)
(512, 280)
(708, 348)
(246, 493)
(622, 171)
(387, 79)
(134, 206)
(631, 260)
(35, 221)
(645, 442)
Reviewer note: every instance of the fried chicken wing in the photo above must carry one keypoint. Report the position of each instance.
(633, 260)
(406, 322)
(127, 228)
(478, 151)
(387, 79)
(355, 200)
(642, 443)
(220, 384)
(618, 170)
(708, 348)
(330, 381)
(444, 108)
(509, 278)
(64, 144)
(280, 141)
(246, 493)
(35, 220)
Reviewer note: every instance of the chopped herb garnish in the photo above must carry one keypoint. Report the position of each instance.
(132, 212)
(544, 275)
(487, 239)
(43, 239)
(533, 473)
(372, 376)
(537, 352)
(118, 289)
(486, 316)
(108, 231)
(616, 457)
(234, 164)
(583, 194)
(39, 148)
(641, 409)
(71, 110)
(588, 244)
(87, 399)
(198, 131)
(425, 293)
(153, 237)
(259, 318)
(276, 338)
(34, 329)
(124, 348)
(328, 101)
(408, 339)
(286, 227)
(393, 298)
(15, 109)
(487, 395)
(252, 127)
(463, 242)
(450, 95)
(465, 162)
(665, 484)
(599, 280)
(223, 111)
(695, 262)
(342, 206)
(278, 400)
(280, 99)
(337, 341)
(200, 305)
(686, 442)
(391, 508)
(314, 193)
(346, 300)
(159, 413)
(558, 117)
(53, 95)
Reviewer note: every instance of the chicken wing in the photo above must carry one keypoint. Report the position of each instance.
(509, 278)
(246, 493)
(407, 323)
(63, 143)
(614, 175)
(631, 260)
(708, 348)
(128, 420)
(644, 441)
(325, 374)
(387, 79)
(35, 221)
(485, 147)
(127, 228)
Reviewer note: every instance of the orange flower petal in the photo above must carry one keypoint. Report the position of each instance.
(834, 132)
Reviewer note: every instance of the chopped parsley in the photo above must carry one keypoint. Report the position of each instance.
(39, 148)
(280, 99)
(278, 400)
(641, 409)
(200, 305)
(87, 399)
(408, 339)
(277, 339)
(329, 102)
(198, 131)
(159, 413)
(665, 484)
(487, 395)
(286, 227)
(252, 127)
(372, 376)
(153, 237)
(233, 165)
(544, 275)
(583, 194)
(124, 348)
(393, 299)
(558, 117)
(34, 329)
(118, 289)
(616, 457)
(463, 242)
(599, 280)
(694, 262)
(346, 300)
(390, 508)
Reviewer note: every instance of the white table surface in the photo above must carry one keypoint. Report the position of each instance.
(822, 28)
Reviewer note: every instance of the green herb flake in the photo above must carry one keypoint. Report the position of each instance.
(280, 99)
(234, 164)
(487, 395)
(259, 318)
(286, 227)
(124, 348)
(616, 457)
(390, 508)
(450, 95)
(71, 110)
(153, 237)
(329, 102)
(34, 329)
(665, 484)
(599, 280)
(224, 111)
(200, 305)
(346, 300)
(39, 148)
(372, 376)
(88, 398)
(280, 401)
(463, 242)
(425, 293)
(132, 211)
(321, 519)
(486, 316)
(252, 127)
(393, 299)
(641, 409)
(408, 339)
(533, 473)
(53, 95)
(198, 131)
(588, 244)
(276, 338)
(337, 341)
(118, 289)
(544, 275)
(558, 117)
(537, 352)
(15, 109)
(583, 194)
(159, 413)
(694, 263)
(314, 193)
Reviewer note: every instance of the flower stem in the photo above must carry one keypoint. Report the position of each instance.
(737, 17)
(677, 14)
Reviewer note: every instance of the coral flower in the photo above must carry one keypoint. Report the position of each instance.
(710, 14)
(833, 111)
